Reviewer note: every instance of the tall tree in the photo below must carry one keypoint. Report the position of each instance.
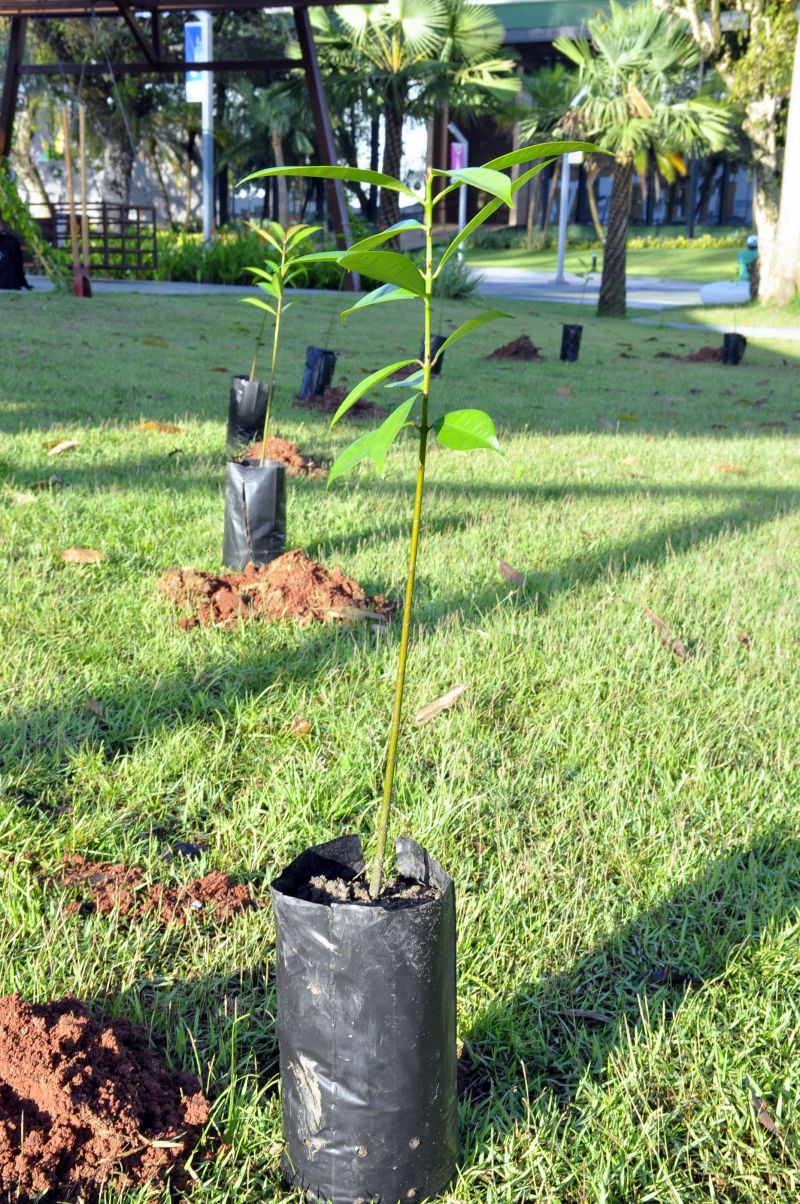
(635, 99)
(406, 56)
(780, 276)
(750, 43)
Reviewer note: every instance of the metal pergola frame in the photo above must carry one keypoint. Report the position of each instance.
(154, 63)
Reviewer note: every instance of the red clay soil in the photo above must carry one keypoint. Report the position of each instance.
(288, 453)
(329, 402)
(706, 355)
(103, 887)
(518, 349)
(83, 1102)
(291, 587)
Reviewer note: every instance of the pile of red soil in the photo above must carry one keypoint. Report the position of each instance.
(288, 453)
(329, 402)
(291, 587)
(706, 355)
(105, 887)
(87, 1103)
(518, 349)
(404, 373)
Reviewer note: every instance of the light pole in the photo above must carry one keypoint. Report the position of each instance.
(563, 212)
(207, 124)
(458, 160)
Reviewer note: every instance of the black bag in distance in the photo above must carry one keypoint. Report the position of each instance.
(437, 341)
(367, 1033)
(247, 410)
(733, 346)
(255, 513)
(570, 343)
(12, 273)
(318, 372)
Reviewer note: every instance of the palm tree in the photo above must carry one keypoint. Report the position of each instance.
(404, 57)
(635, 98)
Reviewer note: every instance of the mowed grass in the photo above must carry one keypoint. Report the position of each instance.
(622, 822)
(702, 264)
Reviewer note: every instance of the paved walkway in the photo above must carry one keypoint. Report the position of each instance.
(790, 333)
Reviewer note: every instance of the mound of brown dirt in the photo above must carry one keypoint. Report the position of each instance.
(706, 355)
(329, 402)
(291, 587)
(518, 349)
(86, 1103)
(288, 453)
(104, 887)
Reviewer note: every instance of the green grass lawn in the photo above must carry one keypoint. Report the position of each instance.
(695, 263)
(619, 819)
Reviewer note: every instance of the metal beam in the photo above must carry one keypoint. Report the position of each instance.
(168, 67)
(136, 29)
(110, 8)
(324, 130)
(8, 98)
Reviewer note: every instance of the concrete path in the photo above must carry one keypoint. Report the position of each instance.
(790, 333)
(525, 284)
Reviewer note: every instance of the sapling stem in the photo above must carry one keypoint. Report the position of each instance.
(382, 831)
(276, 335)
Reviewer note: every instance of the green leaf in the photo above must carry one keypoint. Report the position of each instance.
(365, 385)
(264, 274)
(466, 430)
(318, 257)
(389, 266)
(409, 382)
(375, 240)
(374, 445)
(356, 175)
(298, 234)
(265, 234)
(486, 212)
(259, 304)
(490, 315)
(384, 292)
(495, 182)
(542, 150)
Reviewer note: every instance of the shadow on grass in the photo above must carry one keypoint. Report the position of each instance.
(554, 1032)
(37, 746)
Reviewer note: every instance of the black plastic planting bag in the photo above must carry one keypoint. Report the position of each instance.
(733, 346)
(318, 372)
(570, 343)
(367, 1033)
(255, 513)
(437, 341)
(247, 410)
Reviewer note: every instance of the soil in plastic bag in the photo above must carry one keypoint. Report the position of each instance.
(437, 341)
(283, 451)
(247, 410)
(255, 512)
(570, 343)
(518, 349)
(86, 1103)
(291, 587)
(318, 371)
(733, 348)
(366, 1028)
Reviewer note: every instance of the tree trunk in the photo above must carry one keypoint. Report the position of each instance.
(224, 196)
(117, 172)
(760, 126)
(611, 303)
(162, 186)
(281, 181)
(374, 149)
(190, 140)
(392, 157)
(534, 188)
(25, 165)
(780, 275)
(592, 173)
(551, 196)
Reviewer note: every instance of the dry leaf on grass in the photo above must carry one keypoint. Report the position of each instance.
(724, 466)
(763, 1116)
(606, 423)
(22, 499)
(744, 639)
(219, 369)
(354, 614)
(773, 425)
(55, 449)
(150, 425)
(81, 555)
(301, 726)
(510, 573)
(432, 709)
(564, 391)
(155, 341)
(588, 1014)
(94, 705)
(52, 482)
(673, 642)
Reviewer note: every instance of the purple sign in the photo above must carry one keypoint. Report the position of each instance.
(458, 156)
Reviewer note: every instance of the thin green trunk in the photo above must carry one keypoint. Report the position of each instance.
(376, 873)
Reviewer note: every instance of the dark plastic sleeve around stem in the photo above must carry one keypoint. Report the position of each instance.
(367, 1033)
(255, 513)
(247, 410)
